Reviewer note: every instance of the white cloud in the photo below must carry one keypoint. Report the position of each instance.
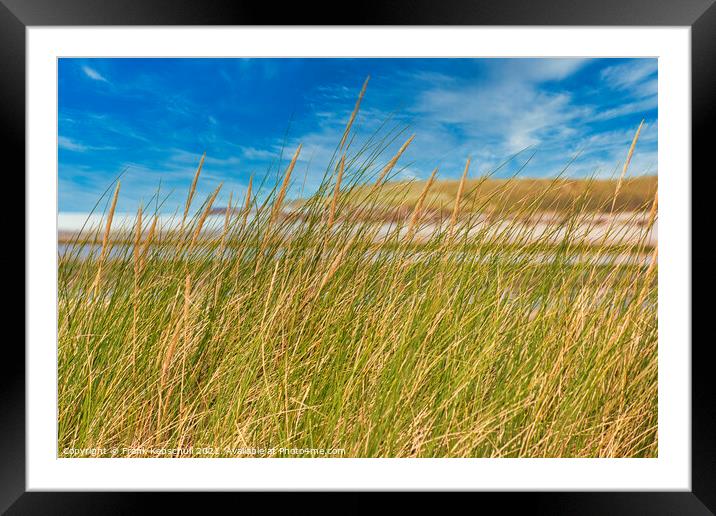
(512, 115)
(619, 139)
(254, 154)
(93, 74)
(647, 88)
(632, 76)
(542, 70)
(67, 143)
(639, 106)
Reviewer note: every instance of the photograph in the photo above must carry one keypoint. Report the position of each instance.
(367, 257)
(431, 247)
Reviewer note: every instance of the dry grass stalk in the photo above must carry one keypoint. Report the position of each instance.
(332, 268)
(646, 279)
(276, 209)
(192, 189)
(204, 214)
(419, 206)
(178, 331)
(284, 186)
(391, 163)
(105, 240)
(354, 114)
(135, 293)
(458, 197)
(137, 239)
(187, 304)
(227, 219)
(652, 264)
(336, 192)
(168, 357)
(108, 226)
(626, 165)
(652, 212)
(147, 243)
(247, 203)
(336, 263)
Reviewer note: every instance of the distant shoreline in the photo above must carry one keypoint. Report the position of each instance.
(624, 228)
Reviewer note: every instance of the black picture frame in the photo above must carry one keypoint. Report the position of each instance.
(700, 15)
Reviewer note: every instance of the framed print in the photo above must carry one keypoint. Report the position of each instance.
(443, 248)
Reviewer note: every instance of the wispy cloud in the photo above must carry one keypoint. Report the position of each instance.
(541, 70)
(93, 74)
(511, 114)
(69, 144)
(629, 108)
(632, 76)
(253, 154)
(63, 142)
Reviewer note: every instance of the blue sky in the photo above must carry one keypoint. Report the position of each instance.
(155, 117)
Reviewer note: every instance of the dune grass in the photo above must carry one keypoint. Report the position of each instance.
(519, 195)
(315, 332)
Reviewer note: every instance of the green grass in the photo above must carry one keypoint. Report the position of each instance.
(324, 336)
